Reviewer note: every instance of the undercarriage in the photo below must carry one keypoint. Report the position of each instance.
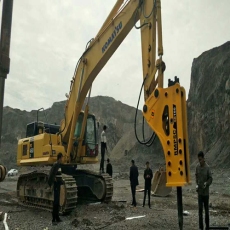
(81, 186)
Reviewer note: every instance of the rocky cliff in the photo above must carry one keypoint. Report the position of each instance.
(209, 105)
(118, 117)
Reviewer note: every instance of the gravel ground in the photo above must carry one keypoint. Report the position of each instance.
(163, 214)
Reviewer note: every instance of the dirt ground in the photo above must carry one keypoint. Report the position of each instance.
(163, 214)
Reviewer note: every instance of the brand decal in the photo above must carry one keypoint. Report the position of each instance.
(175, 140)
(113, 35)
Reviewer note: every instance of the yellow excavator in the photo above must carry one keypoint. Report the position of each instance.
(164, 111)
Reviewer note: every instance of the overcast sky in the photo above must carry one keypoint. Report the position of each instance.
(49, 36)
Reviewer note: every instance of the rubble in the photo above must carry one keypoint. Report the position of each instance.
(119, 215)
(121, 175)
(96, 203)
(185, 213)
(75, 223)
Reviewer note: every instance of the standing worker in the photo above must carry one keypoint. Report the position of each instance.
(148, 175)
(55, 179)
(109, 168)
(133, 176)
(203, 181)
(103, 148)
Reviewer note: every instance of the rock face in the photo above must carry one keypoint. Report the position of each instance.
(209, 106)
(118, 117)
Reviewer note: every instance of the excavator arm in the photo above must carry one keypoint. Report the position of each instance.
(164, 109)
(116, 27)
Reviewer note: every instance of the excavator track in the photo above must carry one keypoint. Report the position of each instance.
(83, 186)
(93, 187)
(33, 191)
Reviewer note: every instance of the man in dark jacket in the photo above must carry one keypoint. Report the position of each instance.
(109, 168)
(148, 175)
(203, 181)
(55, 180)
(133, 176)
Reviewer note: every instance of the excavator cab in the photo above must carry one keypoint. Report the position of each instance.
(37, 127)
(90, 141)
